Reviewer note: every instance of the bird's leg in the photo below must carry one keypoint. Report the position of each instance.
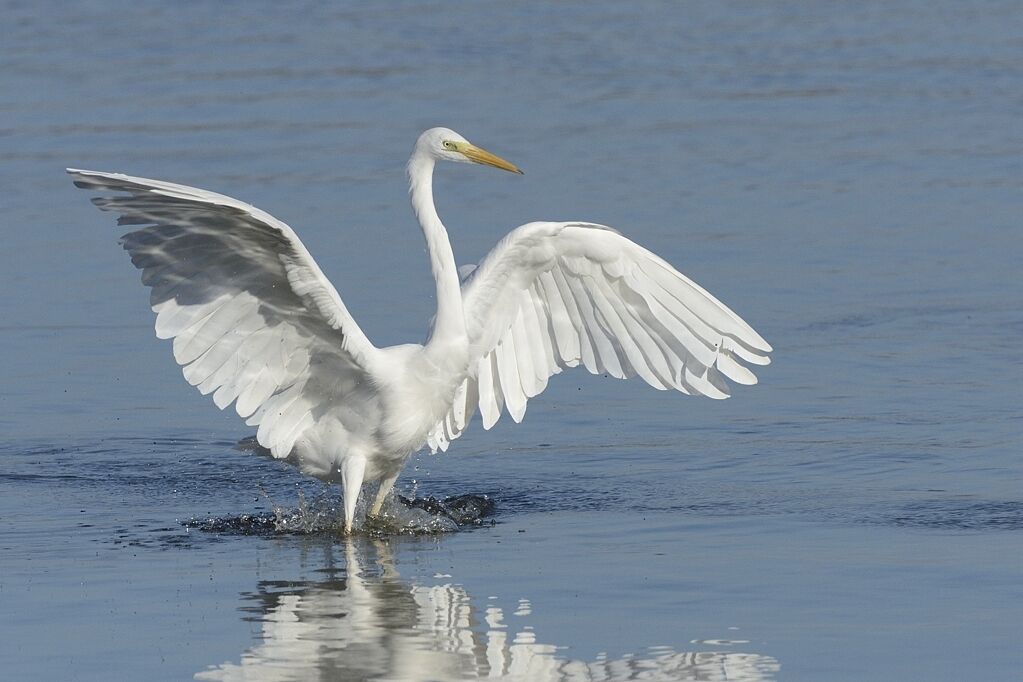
(382, 493)
(352, 471)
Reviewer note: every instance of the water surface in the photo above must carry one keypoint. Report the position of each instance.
(845, 176)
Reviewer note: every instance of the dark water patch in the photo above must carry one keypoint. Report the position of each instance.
(246, 524)
(160, 468)
(162, 538)
(462, 509)
(917, 313)
(955, 515)
(31, 478)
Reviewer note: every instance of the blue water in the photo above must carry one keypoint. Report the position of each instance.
(846, 176)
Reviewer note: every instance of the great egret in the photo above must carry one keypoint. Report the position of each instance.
(255, 322)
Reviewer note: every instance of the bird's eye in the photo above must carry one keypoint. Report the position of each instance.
(449, 144)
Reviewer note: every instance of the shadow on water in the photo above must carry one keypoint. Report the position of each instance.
(362, 621)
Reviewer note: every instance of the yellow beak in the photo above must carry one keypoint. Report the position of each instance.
(478, 155)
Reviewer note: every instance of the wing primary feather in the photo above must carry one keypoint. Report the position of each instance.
(511, 388)
(587, 351)
(755, 358)
(248, 354)
(566, 338)
(609, 360)
(458, 408)
(545, 363)
(701, 305)
(524, 344)
(733, 370)
(700, 349)
(643, 326)
(229, 368)
(627, 336)
(489, 409)
(472, 397)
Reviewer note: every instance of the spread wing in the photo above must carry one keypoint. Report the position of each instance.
(254, 320)
(555, 295)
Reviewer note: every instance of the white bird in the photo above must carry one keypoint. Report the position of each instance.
(255, 322)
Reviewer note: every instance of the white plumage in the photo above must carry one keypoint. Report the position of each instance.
(256, 323)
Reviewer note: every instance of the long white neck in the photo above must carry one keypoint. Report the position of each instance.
(449, 325)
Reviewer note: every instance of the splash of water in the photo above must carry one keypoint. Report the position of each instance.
(323, 514)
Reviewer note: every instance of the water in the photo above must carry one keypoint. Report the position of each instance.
(845, 176)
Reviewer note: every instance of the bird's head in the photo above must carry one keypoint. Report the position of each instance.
(444, 144)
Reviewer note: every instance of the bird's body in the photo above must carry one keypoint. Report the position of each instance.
(255, 322)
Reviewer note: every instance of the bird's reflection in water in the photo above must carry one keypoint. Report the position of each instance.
(366, 623)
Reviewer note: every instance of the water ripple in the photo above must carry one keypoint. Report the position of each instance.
(957, 515)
